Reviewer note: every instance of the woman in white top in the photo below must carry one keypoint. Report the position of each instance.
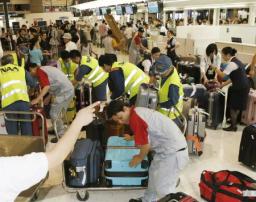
(210, 60)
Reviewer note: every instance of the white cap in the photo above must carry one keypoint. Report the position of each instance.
(67, 36)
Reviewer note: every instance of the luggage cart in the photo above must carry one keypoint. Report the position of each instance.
(82, 194)
(17, 145)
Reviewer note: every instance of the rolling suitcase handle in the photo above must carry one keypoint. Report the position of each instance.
(34, 114)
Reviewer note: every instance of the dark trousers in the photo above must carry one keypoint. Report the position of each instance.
(13, 127)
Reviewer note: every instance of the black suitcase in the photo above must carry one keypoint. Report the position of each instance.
(177, 197)
(191, 70)
(215, 103)
(85, 164)
(83, 96)
(247, 153)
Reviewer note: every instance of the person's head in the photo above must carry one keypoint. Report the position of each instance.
(106, 61)
(34, 43)
(23, 32)
(140, 31)
(33, 69)
(119, 111)
(65, 56)
(228, 53)
(43, 36)
(110, 32)
(33, 32)
(211, 50)
(7, 59)
(155, 53)
(170, 33)
(75, 56)
(163, 66)
(103, 22)
(67, 37)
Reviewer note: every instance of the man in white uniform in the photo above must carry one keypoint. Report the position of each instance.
(69, 45)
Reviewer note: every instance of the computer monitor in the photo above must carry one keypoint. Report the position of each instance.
(153, 7)
(236, 39)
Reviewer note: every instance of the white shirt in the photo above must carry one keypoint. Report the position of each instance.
(147, 65)
(70, 46)
(18, 173)
(206, 62)
(107, 42)
(230, 67)
(128, 32)
(163, 29)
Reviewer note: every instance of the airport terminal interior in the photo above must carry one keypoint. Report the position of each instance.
(182, 71)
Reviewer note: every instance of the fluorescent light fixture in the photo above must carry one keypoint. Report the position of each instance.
(98, 4)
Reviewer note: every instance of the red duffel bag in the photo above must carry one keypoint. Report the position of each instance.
(227, 186)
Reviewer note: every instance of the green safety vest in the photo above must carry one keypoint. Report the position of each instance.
(133, 77)
(173, 79)
(69, 71)
(16, 61)
(13, 84)
(97, 75)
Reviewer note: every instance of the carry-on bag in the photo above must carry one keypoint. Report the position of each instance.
(247, 152)
(227, 186)
(177, 197)
(215, 108)
(117, 170)
(83, 96)
(190, 70)
(147, 96)
(196, 91)
(195, 134)
(37, 123)
(249, 115)
(83, 169)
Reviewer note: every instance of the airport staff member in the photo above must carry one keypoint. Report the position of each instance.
(171, 90)
(240, 84)
(66, 65)
(172, 45)
(55, 82)
(30, 169)
(14, 95)
(89, 68)
(123, 77)
(153, 131)
(136, 46)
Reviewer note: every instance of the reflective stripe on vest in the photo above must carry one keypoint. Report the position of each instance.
(138, 81)
(13, 92)
(98, 77)
(5, 85)
(95, 71)
(130, 77)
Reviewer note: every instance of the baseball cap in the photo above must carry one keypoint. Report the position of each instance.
(67, 36)
(162, 64)
(141, 29)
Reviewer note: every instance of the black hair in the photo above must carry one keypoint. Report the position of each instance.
(110, 32)
(7, 59)
(33, 42)
(211, 48)
(32, 65)
(155, 50)
(229, 51)
(74, 54)
(107, 59)
(172, 32)
(114, 107)
(64, 55)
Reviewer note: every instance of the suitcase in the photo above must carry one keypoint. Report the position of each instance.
(177, 197)
(117, 170)
(83, 169)
(215, 108)
(188, 103)
(83, 96)
(247, 152)
(190, 69)
(195, 134)
(249, 115)
(212, 85)
(37, 123)
(194, 91)
(147, 96)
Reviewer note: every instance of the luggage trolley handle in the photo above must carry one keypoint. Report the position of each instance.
(183, 119)
(34, 114)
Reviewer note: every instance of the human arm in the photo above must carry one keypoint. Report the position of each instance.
(66, 143)
(137, 159)
(173, 96)
(146, 64)
(43, 92)
(116, 83)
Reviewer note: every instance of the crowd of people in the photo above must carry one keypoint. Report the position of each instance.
(58, 59)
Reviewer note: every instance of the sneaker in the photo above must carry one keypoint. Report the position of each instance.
(230, 128)
(136, 200)
(54, 140)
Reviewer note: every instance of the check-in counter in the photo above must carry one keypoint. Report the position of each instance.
(245, 51)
